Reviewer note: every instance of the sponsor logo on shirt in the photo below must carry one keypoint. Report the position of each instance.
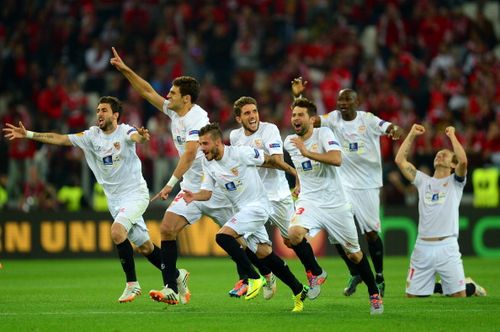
(116, 145)
(274, 145)
(230, 186)
(131, 130)
(307, 165)
(108, 160)
(434, 198)
(257, 153)
(194, 132)
(353, 147)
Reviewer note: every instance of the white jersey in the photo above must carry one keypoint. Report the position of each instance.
(113, 159)
(184, 129)
(438, 202)
(319, 182)
(266, 138)
(236, 174)
(360, 141)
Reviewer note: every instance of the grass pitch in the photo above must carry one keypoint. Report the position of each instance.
(81, 295)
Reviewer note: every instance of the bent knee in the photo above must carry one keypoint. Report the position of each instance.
(263, 250)
(296, 235)
(118, 233)
(146, 248)
(355, 257)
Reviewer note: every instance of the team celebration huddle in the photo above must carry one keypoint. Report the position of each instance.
(242, 187)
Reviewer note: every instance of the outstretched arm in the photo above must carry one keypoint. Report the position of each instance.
(408, 169)
(12, 132)
(202, 195)
(184, 163)
(138, 83)
(461, 168)
(277, 161)
(141, 136)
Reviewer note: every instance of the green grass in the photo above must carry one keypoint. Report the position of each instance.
(80, 295)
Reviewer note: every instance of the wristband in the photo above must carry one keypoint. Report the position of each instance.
(173, 180)
(29, 134)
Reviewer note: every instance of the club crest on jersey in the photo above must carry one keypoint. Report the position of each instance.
(258, 143)
(235, 172)
(362, 129)
(116, 145)
(314, 148)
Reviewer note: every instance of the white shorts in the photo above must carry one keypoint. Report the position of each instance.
(249, 222)
(283, 213)
(435, 257)
(218, 208)
(366, 208)
(128, 212)
(338, 223)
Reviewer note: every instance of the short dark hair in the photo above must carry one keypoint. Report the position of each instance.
(242, 101)
(213, 129)
(305, 103)
(188, 86)
(115, 103)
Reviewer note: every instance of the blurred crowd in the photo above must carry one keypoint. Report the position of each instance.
(431, 62)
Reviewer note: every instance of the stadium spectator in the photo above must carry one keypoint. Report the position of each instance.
(436, 250)
(110, 152)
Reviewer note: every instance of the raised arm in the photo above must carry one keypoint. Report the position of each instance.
(408, 169)
(137, 82)
(394, 131)
(461, 168)
(298, 87)
(12, 132)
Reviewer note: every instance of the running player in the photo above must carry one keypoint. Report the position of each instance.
(234, 169)
(109, 149)
(359, 135)
(187, 119)
(322, 203)
(264, 136)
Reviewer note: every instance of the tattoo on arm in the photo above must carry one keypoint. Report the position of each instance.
(411, 170)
